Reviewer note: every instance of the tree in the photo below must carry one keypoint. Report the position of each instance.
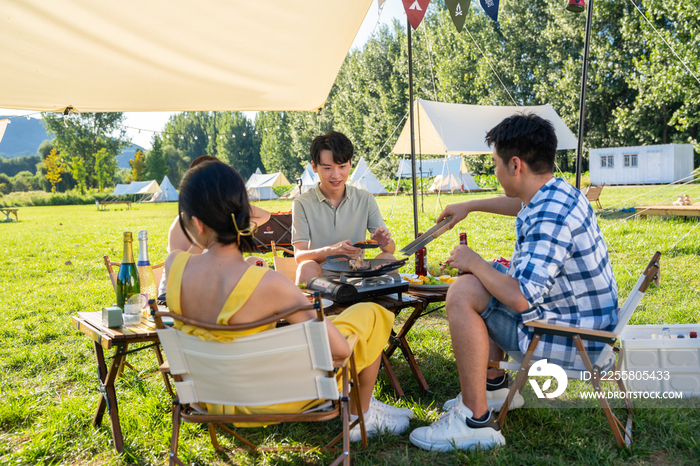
(77, 169)
(156, 161)
(177, 164)
(138, 166)
(239, 144)
(276, 145)
(54, 168)
(84, 134)
(105, 168)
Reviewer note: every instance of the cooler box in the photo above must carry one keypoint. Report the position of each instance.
(277, 229)
(646, 350)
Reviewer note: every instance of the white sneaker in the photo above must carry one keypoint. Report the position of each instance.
(388, 409)
(377, 422)
(457, 429)
(495, 399)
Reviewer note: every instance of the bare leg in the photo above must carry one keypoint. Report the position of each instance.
(495, 354)
(308, 270)
(368, 377)
(385, 255)
(466, 300)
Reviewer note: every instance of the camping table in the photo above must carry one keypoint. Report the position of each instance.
(7, 213)
(90, 323)
(396, 340)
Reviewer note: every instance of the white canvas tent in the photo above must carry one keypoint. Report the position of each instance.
(309, 179)
(120, 189)
(168, 194)
(453, 182)
(133, 56)
(137, 187)
(260, 185)
(363, 178)
(459, 129)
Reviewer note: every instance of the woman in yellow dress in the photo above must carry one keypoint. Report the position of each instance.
(219, 287)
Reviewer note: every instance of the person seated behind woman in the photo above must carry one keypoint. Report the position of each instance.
(178, 241)
(219, 287)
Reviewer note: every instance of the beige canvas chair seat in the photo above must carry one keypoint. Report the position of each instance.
(286, 265)
(621, 432)
(281, 365)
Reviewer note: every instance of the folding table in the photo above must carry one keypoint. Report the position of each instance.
(104, 338)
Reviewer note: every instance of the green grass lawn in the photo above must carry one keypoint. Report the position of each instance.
(51, 268)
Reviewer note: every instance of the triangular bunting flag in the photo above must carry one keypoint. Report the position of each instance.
(415, 10)
(458, 12)
(491, 8)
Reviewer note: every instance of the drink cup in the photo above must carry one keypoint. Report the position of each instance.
(132, 310)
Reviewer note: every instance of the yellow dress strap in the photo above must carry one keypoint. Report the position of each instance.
(241, 293)
(173, 291)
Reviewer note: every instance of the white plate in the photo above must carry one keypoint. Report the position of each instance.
(324, 301)
(424, 287)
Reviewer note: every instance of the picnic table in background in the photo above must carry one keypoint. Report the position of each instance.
(9, 211)
(101, 205)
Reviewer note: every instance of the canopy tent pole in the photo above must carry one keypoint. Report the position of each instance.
(413, 142)
(582, 103)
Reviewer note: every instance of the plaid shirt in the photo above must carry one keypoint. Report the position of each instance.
(561, 262)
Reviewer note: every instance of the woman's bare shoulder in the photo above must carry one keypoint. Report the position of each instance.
(171, 257)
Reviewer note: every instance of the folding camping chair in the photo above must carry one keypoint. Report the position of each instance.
(285, 364)
(158, 270)
(593, 194)
(624, 437)
(286, 265)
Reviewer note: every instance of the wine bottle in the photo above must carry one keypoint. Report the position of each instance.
(421, 261)
(462, 240)
(146, 278)
(128, 278)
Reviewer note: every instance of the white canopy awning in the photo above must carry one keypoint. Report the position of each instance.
(135, 55)
(460, 129)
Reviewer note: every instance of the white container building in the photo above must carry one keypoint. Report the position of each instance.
(661, 163)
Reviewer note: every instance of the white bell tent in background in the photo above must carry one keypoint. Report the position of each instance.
(309, 179)
(136, 56)
(259, 185)
(460, 129)
(363, 178)
(168, 194)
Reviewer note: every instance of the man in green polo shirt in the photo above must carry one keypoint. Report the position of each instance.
(329, 218)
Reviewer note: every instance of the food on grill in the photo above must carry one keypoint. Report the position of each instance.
(359, 264)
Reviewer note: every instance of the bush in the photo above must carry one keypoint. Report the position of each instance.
(41, 198)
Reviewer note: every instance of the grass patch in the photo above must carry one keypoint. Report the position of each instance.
(51, 268)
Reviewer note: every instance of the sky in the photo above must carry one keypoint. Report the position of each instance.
(155, 121)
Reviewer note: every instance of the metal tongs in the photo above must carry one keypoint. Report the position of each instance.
(426, 237)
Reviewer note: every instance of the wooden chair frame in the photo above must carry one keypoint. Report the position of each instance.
(593, 194)
(621, 432)
(341, 407)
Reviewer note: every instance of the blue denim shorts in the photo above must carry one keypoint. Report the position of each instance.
(502, 324)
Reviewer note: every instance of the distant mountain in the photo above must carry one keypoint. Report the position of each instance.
(23, 136)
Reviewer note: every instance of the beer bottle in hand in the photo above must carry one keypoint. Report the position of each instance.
(128, 278)
(462, 240)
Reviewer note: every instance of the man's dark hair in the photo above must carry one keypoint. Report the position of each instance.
(337, 143)
(215, 193)
(528, 137)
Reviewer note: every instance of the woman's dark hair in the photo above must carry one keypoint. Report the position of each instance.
(215, 193)
(337, 143)
(203, 158)
(527, 136)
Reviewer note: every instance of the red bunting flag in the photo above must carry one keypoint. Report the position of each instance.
(415, 10)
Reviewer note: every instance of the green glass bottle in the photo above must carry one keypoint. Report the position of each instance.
(128, 278)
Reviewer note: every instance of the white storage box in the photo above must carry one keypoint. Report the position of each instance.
(645, 350)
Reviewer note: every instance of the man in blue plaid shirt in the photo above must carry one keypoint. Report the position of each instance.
(560, 272)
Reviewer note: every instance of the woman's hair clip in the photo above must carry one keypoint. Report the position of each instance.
(250, 231)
